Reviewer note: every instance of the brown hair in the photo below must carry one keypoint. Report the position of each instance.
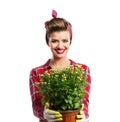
(57, 24)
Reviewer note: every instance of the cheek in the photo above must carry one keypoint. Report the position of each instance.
(52, 45)
(67, 45)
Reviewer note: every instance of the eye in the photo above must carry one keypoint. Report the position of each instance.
(54, 41)
(65, 40)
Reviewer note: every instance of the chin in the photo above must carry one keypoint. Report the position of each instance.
(59, 57)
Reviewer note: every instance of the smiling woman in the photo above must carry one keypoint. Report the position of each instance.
(59, 43)
(58, 38)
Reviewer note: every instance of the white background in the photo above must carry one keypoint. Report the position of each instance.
(96, 36)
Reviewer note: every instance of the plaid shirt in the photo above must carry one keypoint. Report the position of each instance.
(36, 97)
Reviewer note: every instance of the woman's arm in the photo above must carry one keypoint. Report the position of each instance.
(35, 95)
(86, 99)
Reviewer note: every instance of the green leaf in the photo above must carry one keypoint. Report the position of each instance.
(76, 105)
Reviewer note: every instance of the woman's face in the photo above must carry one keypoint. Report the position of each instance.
(59, 43)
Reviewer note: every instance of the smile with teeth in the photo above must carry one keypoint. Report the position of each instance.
(60, 51)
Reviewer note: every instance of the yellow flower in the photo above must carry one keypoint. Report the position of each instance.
(79, 77)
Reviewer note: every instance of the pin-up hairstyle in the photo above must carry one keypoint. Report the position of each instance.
(57, 24)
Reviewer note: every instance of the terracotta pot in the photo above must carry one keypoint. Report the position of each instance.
(69, 116)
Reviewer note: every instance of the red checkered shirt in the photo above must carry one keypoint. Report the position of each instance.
(36, 97)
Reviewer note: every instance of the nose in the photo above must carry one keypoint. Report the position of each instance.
(60, 45)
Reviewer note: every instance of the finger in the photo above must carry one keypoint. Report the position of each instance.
(78, 120)
(52, 112)
(47, 105)
(52, 118)
(79, 116)
(82, 107)
(58, 115)
(52, 115)
(81, 112)
(58, 119)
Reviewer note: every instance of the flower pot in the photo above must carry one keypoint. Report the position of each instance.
(69, 116)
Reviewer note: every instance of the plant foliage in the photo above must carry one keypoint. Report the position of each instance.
(64, 88)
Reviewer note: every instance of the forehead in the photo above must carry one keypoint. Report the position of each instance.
(60, 35)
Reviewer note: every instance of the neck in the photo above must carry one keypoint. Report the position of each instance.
(59, 63)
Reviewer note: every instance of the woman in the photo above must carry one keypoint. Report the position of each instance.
(59, 39)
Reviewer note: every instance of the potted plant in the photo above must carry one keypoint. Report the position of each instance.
(64, 89)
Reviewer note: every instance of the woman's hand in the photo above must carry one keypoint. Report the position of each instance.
(51, 115)
(81, 116)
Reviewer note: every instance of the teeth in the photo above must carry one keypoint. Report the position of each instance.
(60, 51)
